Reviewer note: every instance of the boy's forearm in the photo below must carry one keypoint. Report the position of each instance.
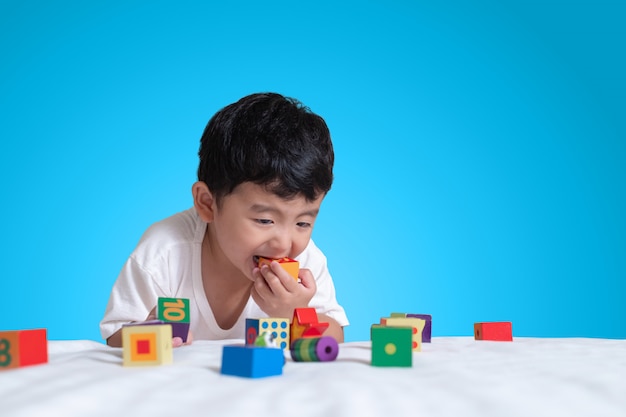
(115, 340)
(334, 329)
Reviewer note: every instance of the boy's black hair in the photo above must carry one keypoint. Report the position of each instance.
(267, 139)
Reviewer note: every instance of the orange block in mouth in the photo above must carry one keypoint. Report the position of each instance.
(290, 265)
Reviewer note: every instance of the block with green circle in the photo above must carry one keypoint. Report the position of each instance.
(392, 346)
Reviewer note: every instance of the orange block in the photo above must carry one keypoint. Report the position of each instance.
(290, 265)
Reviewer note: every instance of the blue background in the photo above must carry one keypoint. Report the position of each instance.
(480, 149)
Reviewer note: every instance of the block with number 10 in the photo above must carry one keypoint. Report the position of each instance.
(175, 311)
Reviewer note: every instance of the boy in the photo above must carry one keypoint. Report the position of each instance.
(265, 166)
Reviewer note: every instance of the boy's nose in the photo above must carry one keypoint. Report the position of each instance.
(281, 244)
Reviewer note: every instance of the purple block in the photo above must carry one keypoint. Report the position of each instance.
(427, 332)
(178, 329)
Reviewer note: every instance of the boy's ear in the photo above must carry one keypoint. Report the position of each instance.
(203, 201)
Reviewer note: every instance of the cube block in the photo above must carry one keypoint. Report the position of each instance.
(278, 328)
(22, 348)
(427, 333)
(498, 331)
(290, 265)
(176, 312)
(252, 361)
(392, 346)
(417, 326)
(147, 345)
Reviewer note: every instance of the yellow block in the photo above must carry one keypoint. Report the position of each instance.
(416, 324)
(147, 345)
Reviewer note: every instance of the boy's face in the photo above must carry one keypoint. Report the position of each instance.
(252, 222)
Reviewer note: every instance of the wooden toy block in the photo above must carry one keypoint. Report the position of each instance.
(290, 265)
(252, 361)
(306, 324)
(278, 328)
(501, 331)
(315, 349)
(23, 348)
(417, 326)
(391, 346)
(147, 345)
(176, 312)
(427, 333)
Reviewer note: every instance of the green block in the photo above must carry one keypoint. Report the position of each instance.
(174, 310)
(398, 315)
(392, 346)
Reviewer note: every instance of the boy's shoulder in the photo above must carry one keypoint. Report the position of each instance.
(179, 229)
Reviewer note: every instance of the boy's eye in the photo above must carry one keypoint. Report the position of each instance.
(264, 221)
(304, 224)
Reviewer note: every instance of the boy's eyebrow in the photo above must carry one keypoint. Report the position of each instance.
(262, 208)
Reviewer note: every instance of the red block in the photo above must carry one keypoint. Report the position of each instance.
(22, 348)
(499, 331)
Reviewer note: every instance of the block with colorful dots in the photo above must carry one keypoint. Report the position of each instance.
(501, 331)
(427, 333)
(175, 311)
(22, 348)
(278, 329)
(391, 346)
(146, 345)
(416, 325)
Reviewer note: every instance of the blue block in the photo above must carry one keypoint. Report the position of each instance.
(252, 361)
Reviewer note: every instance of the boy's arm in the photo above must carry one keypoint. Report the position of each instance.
(334, 329)
(115, 340)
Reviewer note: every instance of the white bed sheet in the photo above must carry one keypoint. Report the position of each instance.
(452, 376)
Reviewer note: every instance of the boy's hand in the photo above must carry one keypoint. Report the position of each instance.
(277, 293)
(176, 341)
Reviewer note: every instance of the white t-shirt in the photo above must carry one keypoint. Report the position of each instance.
(166, 263)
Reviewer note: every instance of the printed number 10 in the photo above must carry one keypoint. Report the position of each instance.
(174, 310)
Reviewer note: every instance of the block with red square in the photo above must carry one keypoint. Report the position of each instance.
(22, 348)
(501, 331)
(146, 345)
(416, 325)
(290, 265)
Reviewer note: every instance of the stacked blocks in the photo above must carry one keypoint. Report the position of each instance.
(498, 331)
(278, 328)
(252, 361)
(416, 325)
(175, 311)
(22, 348)
(427, 333)
(315, 349)
(306, 324)
(391, 346)
(145, 345)
(290, 265)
